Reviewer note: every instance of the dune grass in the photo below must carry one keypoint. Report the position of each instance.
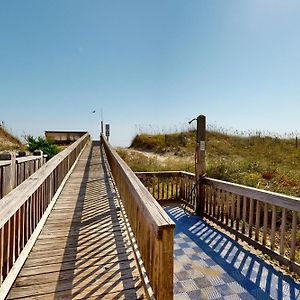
(268, 162)
(9, 142)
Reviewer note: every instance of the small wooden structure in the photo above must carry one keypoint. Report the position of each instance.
(64, 137)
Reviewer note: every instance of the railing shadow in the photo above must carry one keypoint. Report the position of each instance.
(97, 248)
(256, 276)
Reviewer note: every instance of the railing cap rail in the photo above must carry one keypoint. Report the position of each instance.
(273, 198)
(10, 203)
(285, 201)
(187, 173)
(20, 160)
(158, 174)
(4, 163)
(159, 218)
(27, 158)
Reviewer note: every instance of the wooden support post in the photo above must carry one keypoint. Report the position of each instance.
(182, 195)
(13, 171)
(40, 162)
(200, 162)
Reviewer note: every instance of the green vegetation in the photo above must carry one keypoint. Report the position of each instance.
(266, 162)
(47, 146)
(8, 142)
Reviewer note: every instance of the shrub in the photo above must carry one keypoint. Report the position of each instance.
(47, 146)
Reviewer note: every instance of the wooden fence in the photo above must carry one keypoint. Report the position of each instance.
(268, 221)
(162, 185)
(13, 172)
(23, 210)
(151, 226)
(170, 186)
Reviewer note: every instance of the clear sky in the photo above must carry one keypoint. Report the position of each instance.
(149, 62)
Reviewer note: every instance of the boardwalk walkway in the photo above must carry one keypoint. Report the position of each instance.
(83, 251)
(210, 265)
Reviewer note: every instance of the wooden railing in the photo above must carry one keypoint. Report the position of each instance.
(23, 210)
(151, 226)
(171, 185)
(13, 172)
(161, 185)
(268, 221)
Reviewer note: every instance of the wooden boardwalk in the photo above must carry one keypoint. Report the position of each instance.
(83, 251)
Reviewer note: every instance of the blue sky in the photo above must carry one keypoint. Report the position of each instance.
(149, 62)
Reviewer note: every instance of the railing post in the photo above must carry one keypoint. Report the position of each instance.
(200, 162)
(13, 170)
(39, 153)
(181, 192)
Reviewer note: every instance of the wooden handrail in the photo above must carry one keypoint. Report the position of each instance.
(14, 172)
(269, 221)
(14, 200)
(20, 160)
(272, 198)
(23, 159)
(188, 174)
(23, 208)
(159, 173)
(4, 163)
(152, 227)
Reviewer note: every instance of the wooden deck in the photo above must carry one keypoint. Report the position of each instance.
(83, 251)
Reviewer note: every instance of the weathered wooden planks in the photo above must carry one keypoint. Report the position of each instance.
(16, 170)
(152, 227)
(83, 250)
